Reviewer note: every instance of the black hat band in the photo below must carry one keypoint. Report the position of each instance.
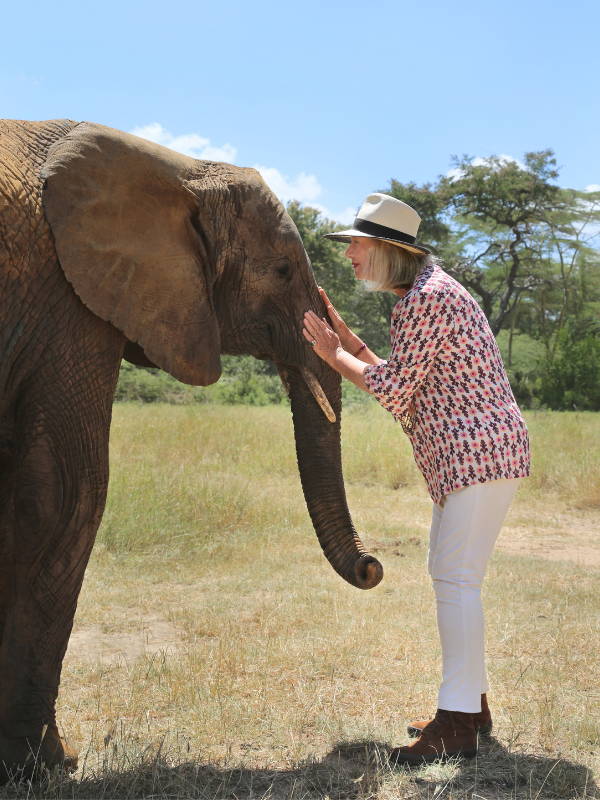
(382, 231)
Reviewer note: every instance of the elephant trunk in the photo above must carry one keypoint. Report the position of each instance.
(318, 450)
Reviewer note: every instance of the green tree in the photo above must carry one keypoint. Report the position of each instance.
(573, 262)
(435, 230)
(571, 380)
(499, 216)
(527, 249)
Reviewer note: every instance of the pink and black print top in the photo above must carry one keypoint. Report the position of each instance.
(446, 383)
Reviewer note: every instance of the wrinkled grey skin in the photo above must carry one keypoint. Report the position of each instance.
(112, 247)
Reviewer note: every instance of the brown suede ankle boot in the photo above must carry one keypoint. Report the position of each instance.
(483, 721)
(450, 734)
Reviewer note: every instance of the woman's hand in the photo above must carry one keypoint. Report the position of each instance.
(348, 340)
(321, 337)
(326, 344)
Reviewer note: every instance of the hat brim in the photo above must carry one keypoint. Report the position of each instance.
(345, 236)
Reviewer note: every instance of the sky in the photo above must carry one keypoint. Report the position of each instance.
(330, 100)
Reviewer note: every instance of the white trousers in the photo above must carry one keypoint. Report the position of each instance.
(464, 530)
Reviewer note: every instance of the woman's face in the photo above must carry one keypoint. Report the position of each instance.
(358, 251)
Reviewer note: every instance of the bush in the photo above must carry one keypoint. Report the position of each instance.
(571, 380)
(141, 384)
(244, 380)
(249, 382)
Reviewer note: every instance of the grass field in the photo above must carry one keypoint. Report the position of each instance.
(215, 653)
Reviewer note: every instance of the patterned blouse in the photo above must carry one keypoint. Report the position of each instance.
(446, 383)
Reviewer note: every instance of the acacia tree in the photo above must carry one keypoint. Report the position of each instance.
(573, 233)
(499, 213)
(509, 229)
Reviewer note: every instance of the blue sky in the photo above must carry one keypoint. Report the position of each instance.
(329, 99)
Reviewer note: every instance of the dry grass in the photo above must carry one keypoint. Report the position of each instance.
(231, 662)
(566, 454)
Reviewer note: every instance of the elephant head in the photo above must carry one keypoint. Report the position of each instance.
(190, 259)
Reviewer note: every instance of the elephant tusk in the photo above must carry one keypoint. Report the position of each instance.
(318, 393)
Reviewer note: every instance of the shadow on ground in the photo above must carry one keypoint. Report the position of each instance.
(351, 770)
(501, 773)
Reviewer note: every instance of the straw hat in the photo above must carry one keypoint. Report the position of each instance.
(384, 217)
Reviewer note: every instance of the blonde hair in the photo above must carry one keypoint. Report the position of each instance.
(393, 267)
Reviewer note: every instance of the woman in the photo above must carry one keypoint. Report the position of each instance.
(445, 382)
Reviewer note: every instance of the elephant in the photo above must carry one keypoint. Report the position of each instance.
(113, 247)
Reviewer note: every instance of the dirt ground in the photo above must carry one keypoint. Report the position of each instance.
(152, 635)
(564, 535)
(561, 535)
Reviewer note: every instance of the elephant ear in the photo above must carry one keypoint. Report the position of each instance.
(126, 231)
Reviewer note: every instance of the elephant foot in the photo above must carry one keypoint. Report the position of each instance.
(24, 758)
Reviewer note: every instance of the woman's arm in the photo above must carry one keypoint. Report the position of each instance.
(327, 346)
(367, 356)
(349, 367)
(419, 333)
(348, 340)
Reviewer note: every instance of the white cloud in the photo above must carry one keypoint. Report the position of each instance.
(456, 173)
(346, 216)
(190, 144)
(593, 187)
(304, 187)
(502, 158)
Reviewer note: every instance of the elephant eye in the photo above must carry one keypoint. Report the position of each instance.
(284, 270)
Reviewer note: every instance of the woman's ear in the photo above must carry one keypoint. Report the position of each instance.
(123, 222)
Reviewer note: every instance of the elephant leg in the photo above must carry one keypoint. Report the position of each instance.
(56, 494)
